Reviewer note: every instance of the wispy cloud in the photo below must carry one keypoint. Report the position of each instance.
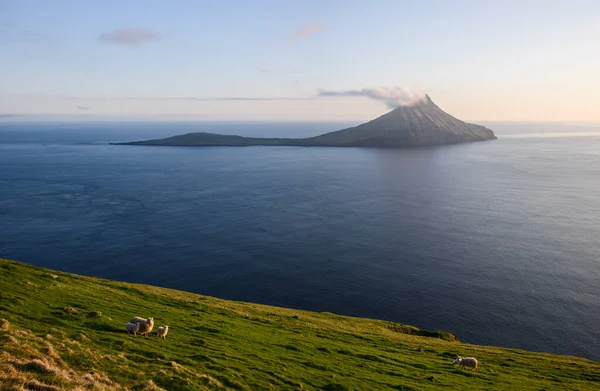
(307, 31)
(106, 98)
(32, 36)
(84, 108)
(130, 36)
(231, 98)
(183, 98)
(11, 33)
(391, 96)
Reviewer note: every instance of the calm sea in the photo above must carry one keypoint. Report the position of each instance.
(496, 242)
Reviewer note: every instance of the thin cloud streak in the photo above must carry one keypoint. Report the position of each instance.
(241, 98)
(83, 98)
(186, 98)
(130, 36)
(306, 31)
(11, 33)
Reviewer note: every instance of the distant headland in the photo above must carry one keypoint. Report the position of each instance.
(420, 124)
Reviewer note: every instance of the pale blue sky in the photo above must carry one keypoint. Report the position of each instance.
(488, 60)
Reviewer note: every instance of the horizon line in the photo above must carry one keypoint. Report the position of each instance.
(7, 117)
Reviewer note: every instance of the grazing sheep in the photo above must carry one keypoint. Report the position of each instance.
(161, 332)
(148, 328)
(465, 362)
(146, 325)
(132, 328)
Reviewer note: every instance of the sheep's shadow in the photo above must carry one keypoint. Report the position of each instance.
(104, 326)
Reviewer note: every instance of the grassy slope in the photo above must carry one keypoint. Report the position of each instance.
(219, 344)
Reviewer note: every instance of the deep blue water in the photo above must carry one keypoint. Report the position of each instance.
(497, 242)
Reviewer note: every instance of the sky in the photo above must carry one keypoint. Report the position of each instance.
(272, 60)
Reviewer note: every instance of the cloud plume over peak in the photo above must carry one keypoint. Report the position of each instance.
(306, 31)
(391, 96)
(130, 36)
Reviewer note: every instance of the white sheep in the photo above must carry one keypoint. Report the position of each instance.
(146, 325)
(465, 362)
(161, 332)
(132, 328)
(137, 319)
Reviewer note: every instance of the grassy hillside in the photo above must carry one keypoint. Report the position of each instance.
(219, 344)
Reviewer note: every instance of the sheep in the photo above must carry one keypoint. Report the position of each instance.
(146, 328)
(161, 332)
(132, 328)
(465, 362)
(146, 325)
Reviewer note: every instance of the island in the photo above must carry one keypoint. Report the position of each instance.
(417, 125)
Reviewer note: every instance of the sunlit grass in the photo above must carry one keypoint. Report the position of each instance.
(219, 344)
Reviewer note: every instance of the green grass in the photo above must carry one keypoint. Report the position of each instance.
(219, 344)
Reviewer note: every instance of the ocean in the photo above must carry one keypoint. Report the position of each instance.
(496, 242)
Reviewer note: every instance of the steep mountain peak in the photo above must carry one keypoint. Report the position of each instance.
(420, 124)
